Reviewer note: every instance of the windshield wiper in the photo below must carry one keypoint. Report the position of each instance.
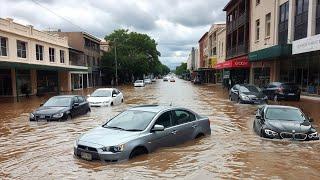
(113, 127)
(133, 130)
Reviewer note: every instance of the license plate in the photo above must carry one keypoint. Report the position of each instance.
(86, 156)
(291, 94)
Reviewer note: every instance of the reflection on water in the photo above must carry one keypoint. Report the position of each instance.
(45, 149)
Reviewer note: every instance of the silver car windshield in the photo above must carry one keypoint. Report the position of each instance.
(58, 102)
(139, 81)
(284, 114)
(131, 120)
(101, 93)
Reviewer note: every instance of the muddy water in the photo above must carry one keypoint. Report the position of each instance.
(39, 150)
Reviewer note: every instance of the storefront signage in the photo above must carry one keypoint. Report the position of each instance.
(241, 62)
(306, 45)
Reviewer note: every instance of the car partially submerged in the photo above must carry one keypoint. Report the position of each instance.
(139, 83)
(141, 130)
(62, 107)
(284, 122)
(105, 97)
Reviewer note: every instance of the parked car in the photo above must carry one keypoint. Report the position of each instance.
(139, 83)
(147, 81)
(286, 91)
(197, 80)
(245, 93)
(105, 97)
(172, 79)
(154, 80)
(141, 130)
(166, 78)
(284, 122)
(61, 108)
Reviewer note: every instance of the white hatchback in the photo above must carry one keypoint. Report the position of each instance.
(139, 83)
(105, 97)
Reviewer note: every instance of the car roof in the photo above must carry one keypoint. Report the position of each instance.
(152, 108)
(105, 89)
(66, 96)
(280, 106)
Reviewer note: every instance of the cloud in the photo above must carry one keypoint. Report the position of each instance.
(176, 25)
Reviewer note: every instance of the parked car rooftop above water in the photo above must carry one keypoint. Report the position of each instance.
(246, 93)
(282, 91)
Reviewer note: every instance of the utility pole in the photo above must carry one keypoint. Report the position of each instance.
(115, 59)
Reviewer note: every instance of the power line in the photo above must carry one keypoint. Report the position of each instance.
(39, 4)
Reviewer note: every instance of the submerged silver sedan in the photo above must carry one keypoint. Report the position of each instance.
(140, 130)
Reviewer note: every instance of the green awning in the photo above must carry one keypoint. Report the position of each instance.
(271, 52)
(18, 65)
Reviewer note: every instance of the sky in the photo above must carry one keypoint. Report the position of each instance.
(176, 25)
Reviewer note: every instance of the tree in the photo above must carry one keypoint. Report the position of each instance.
(137, 55)
(182, 69)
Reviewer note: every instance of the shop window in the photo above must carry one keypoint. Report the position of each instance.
(21, 49)
(3, 46)
(39, 52)
(301, 19)
(51, 54)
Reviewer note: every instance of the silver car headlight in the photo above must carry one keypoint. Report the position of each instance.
(59, 115)
(244, 97)
(313, 135)
(114, 149)
(31, 115)
(270, 132)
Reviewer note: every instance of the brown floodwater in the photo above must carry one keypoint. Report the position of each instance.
(42, 150)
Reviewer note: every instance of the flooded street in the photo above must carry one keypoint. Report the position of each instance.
(41, 150)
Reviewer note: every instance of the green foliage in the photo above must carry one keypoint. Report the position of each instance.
(136, 55)
(181, 69)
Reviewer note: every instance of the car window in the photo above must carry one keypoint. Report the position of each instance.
(164, 120)
(80, 99)
(75, 100)
(181, 117)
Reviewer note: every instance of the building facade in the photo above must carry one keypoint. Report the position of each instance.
(85, 51)
(221, 53)
(32, 62)
(291, 52)
(237, 67)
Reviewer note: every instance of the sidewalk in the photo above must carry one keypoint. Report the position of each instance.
(314, 98)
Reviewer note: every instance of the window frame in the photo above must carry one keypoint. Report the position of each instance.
(39, 55)
(268, 25)
(257, 33)
(171, 119)
(5, 53)
(175, 121)
(22, 50)
(51, 55)
(62, 56)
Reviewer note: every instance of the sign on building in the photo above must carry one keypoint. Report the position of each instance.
(306, 45)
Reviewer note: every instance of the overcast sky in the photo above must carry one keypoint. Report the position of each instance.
(176, 25)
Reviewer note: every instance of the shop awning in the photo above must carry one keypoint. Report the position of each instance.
(271, 52)
(239, 62)
(5, 64)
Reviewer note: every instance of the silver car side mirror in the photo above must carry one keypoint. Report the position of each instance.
(157, 127)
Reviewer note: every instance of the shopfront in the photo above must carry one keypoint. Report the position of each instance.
(5, 82)
(265, 64)
(304, 67)
(237, 70)
(47, 81)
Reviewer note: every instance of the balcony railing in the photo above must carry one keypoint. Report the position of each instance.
(236, 23)
(241, 49)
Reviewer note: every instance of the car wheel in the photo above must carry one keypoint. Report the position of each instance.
(121, 100)
(111, 104)
(137, 152)
(199, 136)
(262, 133)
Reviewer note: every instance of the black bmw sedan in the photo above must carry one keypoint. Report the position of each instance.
(247, 94)
(61, 108)
(284, 122)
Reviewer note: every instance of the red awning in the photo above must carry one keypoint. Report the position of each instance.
(239, 62)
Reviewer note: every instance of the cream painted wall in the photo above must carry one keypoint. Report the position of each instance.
(13, 32)
(221, 52)
(259, 12)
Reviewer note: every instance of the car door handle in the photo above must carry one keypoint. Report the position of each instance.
(194, 126)
(174, 132)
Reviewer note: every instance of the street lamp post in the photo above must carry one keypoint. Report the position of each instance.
(115, 59)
